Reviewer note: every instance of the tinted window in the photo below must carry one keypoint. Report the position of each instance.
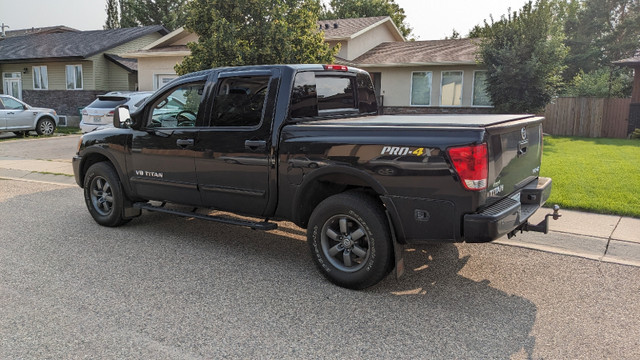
(239, 101)
(108, 102)
(335, 93)
(304, 102)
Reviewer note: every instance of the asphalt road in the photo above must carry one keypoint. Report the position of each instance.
(165, 287)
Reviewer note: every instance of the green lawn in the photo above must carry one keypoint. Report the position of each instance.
(596, 175)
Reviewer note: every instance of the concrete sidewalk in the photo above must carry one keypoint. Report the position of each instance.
(606, 238)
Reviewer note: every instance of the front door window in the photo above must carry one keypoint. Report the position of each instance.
(12, 84)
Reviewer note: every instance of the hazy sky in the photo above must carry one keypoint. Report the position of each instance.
(430, 19)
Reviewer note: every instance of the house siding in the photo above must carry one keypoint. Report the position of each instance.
(111, 78)
(368, 41)
(148, 68)
(396, 87)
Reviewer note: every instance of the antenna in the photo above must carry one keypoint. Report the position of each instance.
(3, 34)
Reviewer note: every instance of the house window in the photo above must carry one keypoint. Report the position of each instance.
(451, 88)
(40, 78)
(480, 95)
(161, 80)
(421, 88)
(74, 77)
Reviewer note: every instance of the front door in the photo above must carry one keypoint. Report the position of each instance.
(12, 84)
(234, 157)
(162, 154)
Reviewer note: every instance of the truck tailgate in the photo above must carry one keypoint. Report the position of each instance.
(515, 153)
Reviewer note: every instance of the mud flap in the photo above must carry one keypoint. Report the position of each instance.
(398, 250)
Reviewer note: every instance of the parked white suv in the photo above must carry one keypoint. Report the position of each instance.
(99, 114)
(20, 118)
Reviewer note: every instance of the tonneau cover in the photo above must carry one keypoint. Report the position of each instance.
(448, 120)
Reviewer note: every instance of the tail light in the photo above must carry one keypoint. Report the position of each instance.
(84, 112)
(336, 67)
(110, 113)
(472, 165)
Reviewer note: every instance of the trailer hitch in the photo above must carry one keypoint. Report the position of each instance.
(542, 227)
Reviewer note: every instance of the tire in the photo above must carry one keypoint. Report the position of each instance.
(350, 241)
(46, 126)
(104, 196)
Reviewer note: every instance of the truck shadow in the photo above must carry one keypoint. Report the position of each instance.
(441, 311)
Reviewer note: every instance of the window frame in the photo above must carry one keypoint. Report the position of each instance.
(42, 85)
(75, 78)
(473, 90)
(461, 87)
(430, 89)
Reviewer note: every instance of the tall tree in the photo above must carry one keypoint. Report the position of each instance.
(246, 32)
(346, 9)
(113, 20)
(172, 14)
(524, 54)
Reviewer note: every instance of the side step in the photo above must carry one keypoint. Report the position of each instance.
(253, 225)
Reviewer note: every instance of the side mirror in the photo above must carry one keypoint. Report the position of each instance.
(121, 117)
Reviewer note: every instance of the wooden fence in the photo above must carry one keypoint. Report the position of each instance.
(587, 117)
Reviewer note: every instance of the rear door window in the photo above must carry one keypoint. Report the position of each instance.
(239, 101)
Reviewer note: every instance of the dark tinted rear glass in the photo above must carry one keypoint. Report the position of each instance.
(108, 102)
(335, 93)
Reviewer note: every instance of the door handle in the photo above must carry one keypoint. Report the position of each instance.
(184, 142)
(10, 113)
(255, 145)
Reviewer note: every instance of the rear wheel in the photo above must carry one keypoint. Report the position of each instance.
(45, 126)
(103, 195)
(350, 240)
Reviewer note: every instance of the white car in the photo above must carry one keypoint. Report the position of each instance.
(99, 114)
(20, 118)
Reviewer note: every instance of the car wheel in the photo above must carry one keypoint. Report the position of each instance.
(45, 126)
(350, 240)
(313, 166)
(103, 195)
(387, 171)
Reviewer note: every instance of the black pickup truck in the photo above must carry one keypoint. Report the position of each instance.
(304, 143)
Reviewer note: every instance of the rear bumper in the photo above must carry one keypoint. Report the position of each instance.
(507, 214)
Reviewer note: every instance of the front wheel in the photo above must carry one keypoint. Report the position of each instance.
(45, 126)
(103, 195)
(350, 241)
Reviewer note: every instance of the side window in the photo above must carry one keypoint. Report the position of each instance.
(177, 108)
(12, 104)
(239, 101)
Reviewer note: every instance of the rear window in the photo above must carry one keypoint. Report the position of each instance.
(108, 102)
(335, 93)
(332, 95)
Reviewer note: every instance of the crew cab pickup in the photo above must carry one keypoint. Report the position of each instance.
(305, 143)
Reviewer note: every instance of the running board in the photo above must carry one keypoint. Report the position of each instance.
(264, 225)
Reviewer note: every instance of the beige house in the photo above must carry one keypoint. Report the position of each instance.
(66, 69)
(409, 76)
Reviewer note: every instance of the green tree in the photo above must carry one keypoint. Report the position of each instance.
(599, 32)
(248, 32)
(524, 54)
(113, 20)
(172, 14)
(603, 82)
(347, 9)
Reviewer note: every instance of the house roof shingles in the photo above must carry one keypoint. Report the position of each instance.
(456, 51)
(346, 28)
(81, 44)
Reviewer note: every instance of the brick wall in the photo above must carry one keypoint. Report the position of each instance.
(407, 110)
(64, 102)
